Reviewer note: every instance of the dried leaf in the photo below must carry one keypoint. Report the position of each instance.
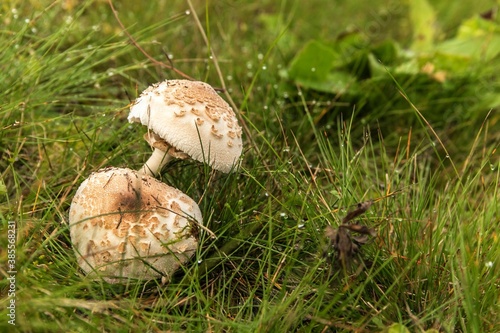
(360, 229)
(361, 208)
(345, 245)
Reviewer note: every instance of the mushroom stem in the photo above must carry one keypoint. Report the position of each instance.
(155, 163)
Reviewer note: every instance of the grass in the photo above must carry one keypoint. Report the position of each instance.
(68, 73)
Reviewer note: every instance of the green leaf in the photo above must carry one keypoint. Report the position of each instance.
(386, 51)
(477, 38)
(313, 63)
(397, 328)
(313, 68)
(423, 19)
(377, 69)
(337, 82)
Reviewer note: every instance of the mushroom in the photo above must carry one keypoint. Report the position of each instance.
(124, 224)
(187, 119)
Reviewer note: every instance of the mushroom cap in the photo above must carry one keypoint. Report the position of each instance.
(185, 113)
(124, 224)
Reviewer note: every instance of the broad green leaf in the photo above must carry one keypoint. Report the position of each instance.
(397, 328)
(411, 66)
(423, 20)
(377, 68)
(337, 82)
(386, 51)
(312, 63)
(477, 38)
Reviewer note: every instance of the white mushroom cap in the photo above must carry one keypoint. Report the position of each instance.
(185, 113)
(124, 224)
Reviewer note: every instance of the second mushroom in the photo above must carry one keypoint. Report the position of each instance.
(124, 225)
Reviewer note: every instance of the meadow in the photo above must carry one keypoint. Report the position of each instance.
(395, 103)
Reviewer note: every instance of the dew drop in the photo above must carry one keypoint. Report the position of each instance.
(187, 12)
